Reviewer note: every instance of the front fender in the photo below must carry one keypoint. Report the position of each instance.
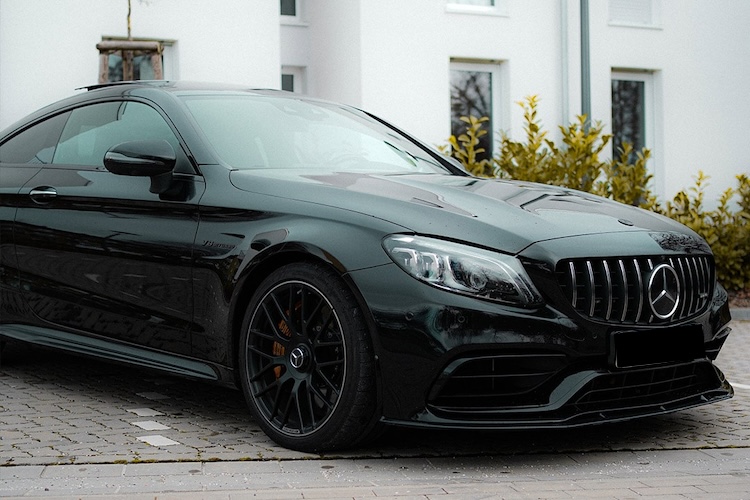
(235, 250)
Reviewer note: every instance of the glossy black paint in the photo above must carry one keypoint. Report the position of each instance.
(112, 266)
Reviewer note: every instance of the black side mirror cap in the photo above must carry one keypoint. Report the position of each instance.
(141, 158)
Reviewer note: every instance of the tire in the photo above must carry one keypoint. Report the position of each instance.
(307, 367)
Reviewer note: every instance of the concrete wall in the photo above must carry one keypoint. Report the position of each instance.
(335, 69)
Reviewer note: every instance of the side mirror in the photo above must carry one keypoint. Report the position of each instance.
(155, 159)
(140, 158)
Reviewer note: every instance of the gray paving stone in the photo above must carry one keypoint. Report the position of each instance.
(172, 469)
(30, 472)
(232, 468)
(84, 471)
(722, 489)
(732, 495)
(665, 491)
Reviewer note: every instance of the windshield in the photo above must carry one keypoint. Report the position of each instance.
(261, 132)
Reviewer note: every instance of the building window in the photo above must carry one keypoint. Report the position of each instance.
(628, 113)
(474, 91)
(292, 11)
(293, 79)
(637, 13)
(126, 60)
(486, 7)
(632, 109)
(289, 7)
(287, 82)
(486, 3)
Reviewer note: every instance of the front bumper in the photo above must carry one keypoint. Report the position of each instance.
(591, 397)
(451, 361)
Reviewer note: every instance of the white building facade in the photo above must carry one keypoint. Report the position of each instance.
(668, 74)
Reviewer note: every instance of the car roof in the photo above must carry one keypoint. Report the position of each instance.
(179, 86)
(139, 88)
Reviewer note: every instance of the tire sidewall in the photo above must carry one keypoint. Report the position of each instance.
(342, 427)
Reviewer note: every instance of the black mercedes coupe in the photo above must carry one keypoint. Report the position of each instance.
(343, 274)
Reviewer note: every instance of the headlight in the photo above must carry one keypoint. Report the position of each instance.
(463, 269)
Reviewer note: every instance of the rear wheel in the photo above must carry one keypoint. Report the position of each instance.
(306, 361)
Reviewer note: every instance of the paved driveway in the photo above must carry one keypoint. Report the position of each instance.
(59, 409)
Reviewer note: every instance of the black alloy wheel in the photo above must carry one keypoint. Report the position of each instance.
(307, 367)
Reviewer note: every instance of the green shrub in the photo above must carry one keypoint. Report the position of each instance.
(575, 164)
(532, 160)
(628, 182)
(464, 147)
(727, 231)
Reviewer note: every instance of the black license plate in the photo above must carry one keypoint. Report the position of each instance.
(651, 347)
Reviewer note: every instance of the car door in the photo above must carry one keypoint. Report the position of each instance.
(21, 157)
(99, 253)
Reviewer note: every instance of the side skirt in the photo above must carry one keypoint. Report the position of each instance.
(109, 350)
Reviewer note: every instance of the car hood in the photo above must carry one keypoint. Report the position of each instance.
(500, 214)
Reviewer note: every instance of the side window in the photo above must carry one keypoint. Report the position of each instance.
(35, 144)
(94, 129)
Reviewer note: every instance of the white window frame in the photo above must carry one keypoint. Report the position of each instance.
(299, 18)
(498, 91)
(499, 9)
(653, 132)
(299, 74)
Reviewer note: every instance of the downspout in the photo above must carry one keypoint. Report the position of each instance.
(585, 64)
(565, 63)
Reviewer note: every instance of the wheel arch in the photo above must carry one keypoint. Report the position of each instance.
(285, 254)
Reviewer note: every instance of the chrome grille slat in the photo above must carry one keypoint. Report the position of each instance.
(573, 284)
(691, 278)
(706, 283)
(702, 285)
(680, 268)
(684, 277)
(639, 290)
(615, 290)
(625, 290)
(609, 289)
(592, 287)
(648, 313)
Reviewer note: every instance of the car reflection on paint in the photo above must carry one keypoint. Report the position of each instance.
(342, 274)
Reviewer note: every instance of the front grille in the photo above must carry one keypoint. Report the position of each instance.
(615, 290)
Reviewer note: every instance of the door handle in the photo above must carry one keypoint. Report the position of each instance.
(43, 194)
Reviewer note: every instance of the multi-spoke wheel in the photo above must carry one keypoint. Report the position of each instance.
(306, 360)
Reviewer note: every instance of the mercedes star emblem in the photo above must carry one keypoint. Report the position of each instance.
(664, 291)
(297, 358)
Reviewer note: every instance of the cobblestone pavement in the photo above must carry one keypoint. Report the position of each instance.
(81, 415)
